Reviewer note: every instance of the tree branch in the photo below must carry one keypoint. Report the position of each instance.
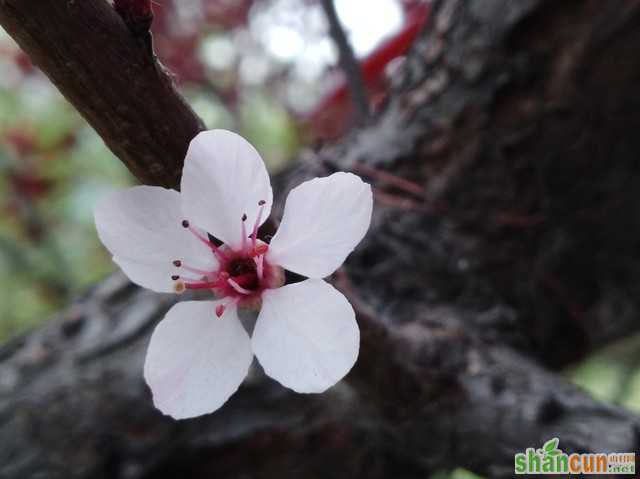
(109, 73)
(348, 63)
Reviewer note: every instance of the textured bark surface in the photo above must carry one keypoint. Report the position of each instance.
(513, 252)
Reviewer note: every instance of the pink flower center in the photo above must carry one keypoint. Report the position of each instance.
(242, 274)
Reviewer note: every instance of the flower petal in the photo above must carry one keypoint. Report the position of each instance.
(324, 220)
(153, 276)
(306, 336)
(196, 361)
(224, 178)
(141, 227)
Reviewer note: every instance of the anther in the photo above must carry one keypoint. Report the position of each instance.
(179, 287)
(177, 263)
(259, 250)
(244, 217)
(175, 277)
(185, 224)
(261, 202)
(221, 308)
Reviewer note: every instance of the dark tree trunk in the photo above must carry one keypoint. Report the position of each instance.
(514, 251)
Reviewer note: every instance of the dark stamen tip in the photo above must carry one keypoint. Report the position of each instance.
(185, 224)
(244, 217)
(177, 263)
(175, 277)
(261, 202)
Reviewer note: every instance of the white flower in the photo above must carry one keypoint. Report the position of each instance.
(305, 337)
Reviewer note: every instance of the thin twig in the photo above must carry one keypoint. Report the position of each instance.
(348, 63)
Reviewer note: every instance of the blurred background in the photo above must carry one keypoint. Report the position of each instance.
(265, 68)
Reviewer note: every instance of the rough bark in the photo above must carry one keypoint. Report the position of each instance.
(511, 253)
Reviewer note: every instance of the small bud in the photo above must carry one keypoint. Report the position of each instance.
(220, 310)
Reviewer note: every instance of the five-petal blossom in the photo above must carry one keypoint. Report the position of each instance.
(305, 337)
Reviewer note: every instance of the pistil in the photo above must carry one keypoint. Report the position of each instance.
(237, 287)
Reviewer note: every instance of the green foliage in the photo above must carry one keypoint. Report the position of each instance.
(53, 168)
(613, 374)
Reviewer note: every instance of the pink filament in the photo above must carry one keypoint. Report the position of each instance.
(260, 266)
(193, 270)
(244, 233)
(208, 243)
(254, 233)
(202, 285)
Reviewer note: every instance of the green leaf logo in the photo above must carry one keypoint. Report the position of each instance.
(551, 445)
(550, 448)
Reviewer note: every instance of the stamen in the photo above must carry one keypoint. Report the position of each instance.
(188, 280)
(201, 285)
(259, 266)
(254, 234)
(244, 232)
(237, 287)
(205, 240)
(200, 272)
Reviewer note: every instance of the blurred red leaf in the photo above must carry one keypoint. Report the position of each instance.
(332, 116)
